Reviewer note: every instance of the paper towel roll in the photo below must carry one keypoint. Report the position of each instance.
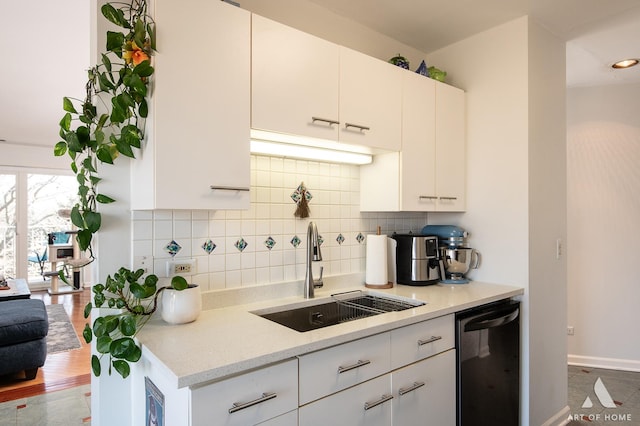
(376, 273)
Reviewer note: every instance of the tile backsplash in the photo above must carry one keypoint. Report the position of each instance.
(267, 243)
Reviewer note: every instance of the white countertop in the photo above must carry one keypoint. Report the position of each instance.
(229, 340)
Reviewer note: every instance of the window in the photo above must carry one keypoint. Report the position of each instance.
(33, 206)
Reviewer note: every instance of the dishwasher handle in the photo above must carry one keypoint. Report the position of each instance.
(490, 320)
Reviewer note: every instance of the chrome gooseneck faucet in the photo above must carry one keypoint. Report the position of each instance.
(313, 255)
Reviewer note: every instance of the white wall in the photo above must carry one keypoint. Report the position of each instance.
(603, 210)
(515, 207)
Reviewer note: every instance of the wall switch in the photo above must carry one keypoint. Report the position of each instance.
(570, 330)
(143, 262)
(181, 267)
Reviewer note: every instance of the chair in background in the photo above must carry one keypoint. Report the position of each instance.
(54, 238)
(40, 259)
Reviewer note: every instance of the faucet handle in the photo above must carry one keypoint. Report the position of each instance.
(318, 283)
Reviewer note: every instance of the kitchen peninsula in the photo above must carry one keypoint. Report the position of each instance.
(229, 343)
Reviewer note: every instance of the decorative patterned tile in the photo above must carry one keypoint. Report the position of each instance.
(295, 241)
(320, 239)
(209, 246)
(241, 244)
(340, 239)
(269, 242)
(173, 248)
(360, 237)
(296, 195)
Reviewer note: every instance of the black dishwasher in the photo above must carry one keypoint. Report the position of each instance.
(488, 365)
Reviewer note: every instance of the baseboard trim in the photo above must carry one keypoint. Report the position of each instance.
(608, 363)
(561, 418)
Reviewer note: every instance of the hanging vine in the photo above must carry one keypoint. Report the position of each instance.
(110, 120)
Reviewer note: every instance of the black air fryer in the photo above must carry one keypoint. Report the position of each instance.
(417, 259)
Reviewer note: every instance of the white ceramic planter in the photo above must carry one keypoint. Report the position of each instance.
(181, 307)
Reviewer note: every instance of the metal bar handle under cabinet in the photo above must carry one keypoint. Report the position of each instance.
(428, 197)
(357, 126)
(382, 400)
(429, 340)
(324, 120)
(237, 406)
(358, 364)
(229, 188)
(449, 198)
(414, 386)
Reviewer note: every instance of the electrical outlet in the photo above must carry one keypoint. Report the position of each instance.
(570, 330)
(181, 267)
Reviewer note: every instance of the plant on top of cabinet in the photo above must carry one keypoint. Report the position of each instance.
(136, 302)
(89, 137)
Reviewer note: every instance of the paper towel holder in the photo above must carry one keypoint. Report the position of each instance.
(389, 284)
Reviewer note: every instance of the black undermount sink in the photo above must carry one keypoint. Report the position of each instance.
(343, 307)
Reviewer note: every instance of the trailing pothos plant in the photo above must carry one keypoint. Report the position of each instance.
(110, 120)
(136, 298)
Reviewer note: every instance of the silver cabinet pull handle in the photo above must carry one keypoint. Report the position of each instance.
(237, 406)
(428, 197)
(358, 364)
(382, 400)
(324, 120)
(229, 188)
(411, 388)
(357, 126)
(449, 198)
(429, 340)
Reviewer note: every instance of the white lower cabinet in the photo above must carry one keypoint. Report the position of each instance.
(248, 399)
(368, 403)
(424, 393)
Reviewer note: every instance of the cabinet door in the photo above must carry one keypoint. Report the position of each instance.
(200, 135)
(425, 393)
(421, 340)
(294, 80)
(418, 156)
(450, 148)
(247, 399)
(370, 101)
(368, 404)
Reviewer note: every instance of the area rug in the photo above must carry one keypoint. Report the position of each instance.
(62, 337)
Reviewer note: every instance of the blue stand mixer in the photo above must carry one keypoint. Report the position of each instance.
(454, 256)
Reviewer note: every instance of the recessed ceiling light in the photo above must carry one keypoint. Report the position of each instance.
(627, 63)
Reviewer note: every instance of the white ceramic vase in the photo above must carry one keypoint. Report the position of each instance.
(181, 307)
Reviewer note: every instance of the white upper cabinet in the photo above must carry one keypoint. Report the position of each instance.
(294, 81)
(303, 85)
(428, 174)
(198, 133)
(370, 101)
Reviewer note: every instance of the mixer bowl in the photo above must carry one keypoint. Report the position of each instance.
(457, 261)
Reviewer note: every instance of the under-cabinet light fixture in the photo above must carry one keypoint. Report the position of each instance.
(287, 146)
(627, 63)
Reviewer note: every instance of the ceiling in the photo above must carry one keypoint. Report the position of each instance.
(598, 32)
(44, 69)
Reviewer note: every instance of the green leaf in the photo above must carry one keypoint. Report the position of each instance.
(87, 309)
(84, 239)
(89, 110)
(131, 135)
(74, 166)
(104, 154)
(103, 119)
(139, 33)
(99, 300)
(118, 114)
(151, 30)
(95, 365)
(122, 367)
(100, 327)
(137, 290)
(151, 280)
(65, 123)
(179, 283)
(87, 334)
(107, 62)
(135, 355)
(114, 15)
(93, 220)
(143, 109)
(73, 143)
(87, 164)
(143, 69)
(123, 347)
(128, 325)
(123, 147)
(103, 343)
(67, 105)
(76, 217)
(111, 322)
(115, 41)
(60, 149)
(105, 84)
(103, 199)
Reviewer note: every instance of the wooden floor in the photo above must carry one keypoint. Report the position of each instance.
(61, 370)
